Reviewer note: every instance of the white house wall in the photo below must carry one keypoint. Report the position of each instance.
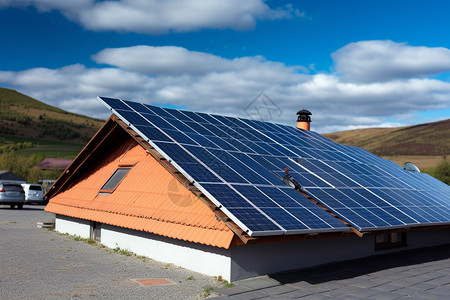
(249, 260)
(204, 259)
(72, 226)
(200, 258)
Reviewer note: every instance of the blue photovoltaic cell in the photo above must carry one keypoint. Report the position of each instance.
(158, 111)
(255, 196)
(312, 221)
(286, 219)
(255, 220)
(230, 198)
(115, 103)
(240, 165)
(152, 133)
(217, 165)
(132, 117)
(222, 143)
(138, 107)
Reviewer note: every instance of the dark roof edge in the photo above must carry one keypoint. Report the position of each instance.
(64, 179)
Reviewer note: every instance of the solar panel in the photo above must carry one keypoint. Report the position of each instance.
(239, 164)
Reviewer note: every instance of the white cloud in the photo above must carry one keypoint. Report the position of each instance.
(369, 61)
(171, 60)
(162, 60)
(161, 16)
(67, 87)
(205, 82)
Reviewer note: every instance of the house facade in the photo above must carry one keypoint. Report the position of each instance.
(121, 191)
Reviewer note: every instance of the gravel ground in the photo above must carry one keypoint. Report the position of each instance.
(38, 263)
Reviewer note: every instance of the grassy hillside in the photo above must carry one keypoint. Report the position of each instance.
(31, 131)
(30, 146)
(423, 139)
(23, 116)
(426, 145)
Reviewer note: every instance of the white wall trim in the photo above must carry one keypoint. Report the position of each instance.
(204, 259)
(72, 226)
(200, 258)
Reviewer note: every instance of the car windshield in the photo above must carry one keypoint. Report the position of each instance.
(12, 187)
(35, 187)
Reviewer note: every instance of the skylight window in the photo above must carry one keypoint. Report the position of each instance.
(114, 180)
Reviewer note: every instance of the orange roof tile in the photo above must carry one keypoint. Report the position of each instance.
(149, 198)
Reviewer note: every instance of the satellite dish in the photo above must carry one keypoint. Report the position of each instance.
(409, 166)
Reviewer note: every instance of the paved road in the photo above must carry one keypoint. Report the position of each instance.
(40, 264)
(37, 263)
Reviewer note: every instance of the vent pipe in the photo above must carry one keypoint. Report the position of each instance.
(304, 119)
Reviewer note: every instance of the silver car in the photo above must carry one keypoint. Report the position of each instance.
(12, 194)
(34, 193)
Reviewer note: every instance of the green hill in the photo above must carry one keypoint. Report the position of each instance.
(424, 139)
(426, 145)
(31, 131)
(23, 116)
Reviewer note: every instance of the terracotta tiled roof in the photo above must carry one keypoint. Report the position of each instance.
(149, 199)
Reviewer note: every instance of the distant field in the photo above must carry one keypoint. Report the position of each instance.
(422, 162)
(43, 147)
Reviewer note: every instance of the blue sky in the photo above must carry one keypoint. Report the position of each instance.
(353, 64)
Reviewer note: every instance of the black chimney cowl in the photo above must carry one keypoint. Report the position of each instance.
(304, 116)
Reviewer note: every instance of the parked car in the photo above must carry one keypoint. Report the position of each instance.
(34, 193)
(12, 194)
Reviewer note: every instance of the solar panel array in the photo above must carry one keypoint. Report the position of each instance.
(239, 164)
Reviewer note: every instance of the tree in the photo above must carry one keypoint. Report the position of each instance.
(25, 167)
(441, 172)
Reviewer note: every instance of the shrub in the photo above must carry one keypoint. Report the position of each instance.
(441, 172)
